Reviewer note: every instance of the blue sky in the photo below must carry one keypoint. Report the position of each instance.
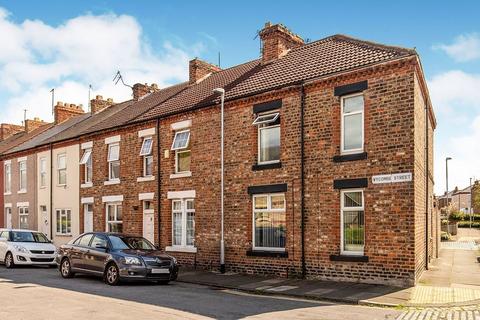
(48, 44)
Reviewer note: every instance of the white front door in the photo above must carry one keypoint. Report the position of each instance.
(88, 217)
(8, 216)
(44, 225)
(148, 227)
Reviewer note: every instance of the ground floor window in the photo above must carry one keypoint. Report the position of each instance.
(183, 222)
(23, 217)
(269, 222)
(114, 217)
(64, 221)
(352, 222)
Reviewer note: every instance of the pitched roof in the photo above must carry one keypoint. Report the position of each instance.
(41, 138)
(324, 57)
(7, 145)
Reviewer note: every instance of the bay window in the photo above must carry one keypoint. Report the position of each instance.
(180, 145)
(352, 127)
(113, 162)
(183, 222)
(352, 222)
(268, 137)
(269, 222)
(114, 217)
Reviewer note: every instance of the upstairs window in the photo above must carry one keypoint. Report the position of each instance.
(86, 160)
(268, 137)
(180, 145)
(352, 124)
(113, 161)
(146, 153)
(62, 169)
(8, 178)
(43, 172)
(22, 165)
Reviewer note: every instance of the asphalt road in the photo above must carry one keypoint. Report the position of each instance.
(41, 293)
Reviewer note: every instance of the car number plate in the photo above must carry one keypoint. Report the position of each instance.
(160, 271)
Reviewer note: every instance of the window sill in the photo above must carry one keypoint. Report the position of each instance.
(7, 194)
(266, 166)
(348, 258)
(181, 249)
(69, 235)
(22, 191)
(61, 185)
(181, 175)
(350, 157)
(143, 179)
(86, 185)
(110, 182)
(266, 253)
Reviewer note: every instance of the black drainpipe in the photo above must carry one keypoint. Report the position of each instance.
(51, 192)
(157, 131)
(426, 187)
(302, 178)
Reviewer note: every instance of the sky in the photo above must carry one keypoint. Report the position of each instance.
(71, 45)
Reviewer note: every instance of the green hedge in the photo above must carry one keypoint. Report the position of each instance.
(466, 224)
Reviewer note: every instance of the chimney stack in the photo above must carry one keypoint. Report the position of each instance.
(7, 130)
(31, 125)
(199, 69)
(277, 40)
(141, 90)
(98, 104)
(65, 111)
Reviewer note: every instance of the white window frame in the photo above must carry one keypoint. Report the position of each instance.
(269, 209)
(184, 212)
(342, 124)
(21, 213)
(149, 150)
(342, 209)
(22, 188)
(43, 172)
(116, 221)
(263, 125)
(175, 137)
(87, 162)
(7, 182)
(111, 161)
(146, 156)
(59, 169)
(64, 214)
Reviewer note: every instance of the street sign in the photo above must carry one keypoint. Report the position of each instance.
(392, 178)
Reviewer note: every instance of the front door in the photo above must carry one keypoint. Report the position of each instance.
(148, 227)
(88, 217)
(44, 226)
(8, 216)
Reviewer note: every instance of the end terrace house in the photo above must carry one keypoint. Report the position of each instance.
(328, 162)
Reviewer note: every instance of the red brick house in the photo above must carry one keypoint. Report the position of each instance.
(326, 170)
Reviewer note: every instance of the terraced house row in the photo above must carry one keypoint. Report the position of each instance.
(328, 150)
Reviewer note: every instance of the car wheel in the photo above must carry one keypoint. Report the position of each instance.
(112, 275)
(66, 269)
(9, 263)
(163, 282)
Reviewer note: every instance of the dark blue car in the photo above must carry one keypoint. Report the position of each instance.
(116, 257)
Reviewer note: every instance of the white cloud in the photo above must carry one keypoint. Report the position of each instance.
(456, 100)
(84, 50)
(464, 48)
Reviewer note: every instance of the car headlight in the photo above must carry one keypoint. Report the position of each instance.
(20, 248)
(174, 260)
(132, 260)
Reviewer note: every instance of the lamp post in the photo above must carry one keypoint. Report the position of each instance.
(446, 176)
(221, 92)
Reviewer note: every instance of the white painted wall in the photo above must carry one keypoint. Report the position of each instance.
(68, 196)
(43, 193)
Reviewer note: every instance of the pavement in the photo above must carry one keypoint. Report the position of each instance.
(41, 294)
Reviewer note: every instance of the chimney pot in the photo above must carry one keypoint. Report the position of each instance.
(65, 111)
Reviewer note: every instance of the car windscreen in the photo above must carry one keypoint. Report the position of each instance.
(26, 236)
(122, 243)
